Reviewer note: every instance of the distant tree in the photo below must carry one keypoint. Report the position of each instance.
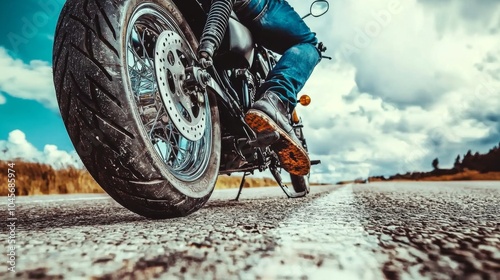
(457, 163)
(468, 155)
(435, 164)
(467, 160)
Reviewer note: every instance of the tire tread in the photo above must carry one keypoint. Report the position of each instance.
(97, 113)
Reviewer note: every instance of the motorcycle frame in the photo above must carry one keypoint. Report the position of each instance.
(220, 86)
(196, 16)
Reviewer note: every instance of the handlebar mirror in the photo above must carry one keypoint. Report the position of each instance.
(318, 8)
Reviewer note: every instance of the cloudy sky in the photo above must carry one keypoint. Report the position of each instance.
(410, 81)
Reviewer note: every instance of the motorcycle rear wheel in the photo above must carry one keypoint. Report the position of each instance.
(110, 102)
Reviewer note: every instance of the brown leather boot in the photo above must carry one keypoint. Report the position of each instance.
(269, 114)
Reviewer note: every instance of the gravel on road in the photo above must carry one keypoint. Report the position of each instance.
(373, 231)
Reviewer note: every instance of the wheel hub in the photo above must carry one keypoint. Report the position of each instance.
(186, 112)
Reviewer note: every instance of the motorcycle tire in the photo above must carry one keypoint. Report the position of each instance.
(94, 46)
(300, 183)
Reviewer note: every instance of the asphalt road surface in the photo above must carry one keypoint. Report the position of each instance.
(373, 231)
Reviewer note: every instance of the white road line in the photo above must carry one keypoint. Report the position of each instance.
(324, 240)
(223, 194)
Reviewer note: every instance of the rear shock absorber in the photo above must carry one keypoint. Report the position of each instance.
(215, 28)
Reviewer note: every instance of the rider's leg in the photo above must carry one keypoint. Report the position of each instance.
(276, 25)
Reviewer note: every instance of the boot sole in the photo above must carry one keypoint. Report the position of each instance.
(292, 156)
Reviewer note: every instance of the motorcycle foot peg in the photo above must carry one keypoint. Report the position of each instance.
(315, 162)
(265, 139)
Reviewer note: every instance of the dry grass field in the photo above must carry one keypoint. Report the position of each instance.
(37, 179)
(467, 175)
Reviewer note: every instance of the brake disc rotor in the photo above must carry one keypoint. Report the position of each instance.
(186, 113)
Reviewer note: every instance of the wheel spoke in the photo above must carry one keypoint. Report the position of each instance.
(140, 62)
(160, 151)
(154, 124)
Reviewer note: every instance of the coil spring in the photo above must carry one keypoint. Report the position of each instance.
(216, 26)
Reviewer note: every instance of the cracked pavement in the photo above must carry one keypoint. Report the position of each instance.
(404, 230)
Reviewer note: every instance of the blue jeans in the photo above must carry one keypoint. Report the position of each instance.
(276, 26)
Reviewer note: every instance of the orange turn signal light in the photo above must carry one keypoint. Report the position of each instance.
(305, 100)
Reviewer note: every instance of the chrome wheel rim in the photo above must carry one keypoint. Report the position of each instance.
(184, 157)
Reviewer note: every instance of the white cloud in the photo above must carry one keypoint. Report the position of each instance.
(17, 146)
(2, 99)
(425, 84)
(31, 81)
(409, 62)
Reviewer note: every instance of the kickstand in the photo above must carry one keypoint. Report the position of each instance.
(284, 187)
(241, 185)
